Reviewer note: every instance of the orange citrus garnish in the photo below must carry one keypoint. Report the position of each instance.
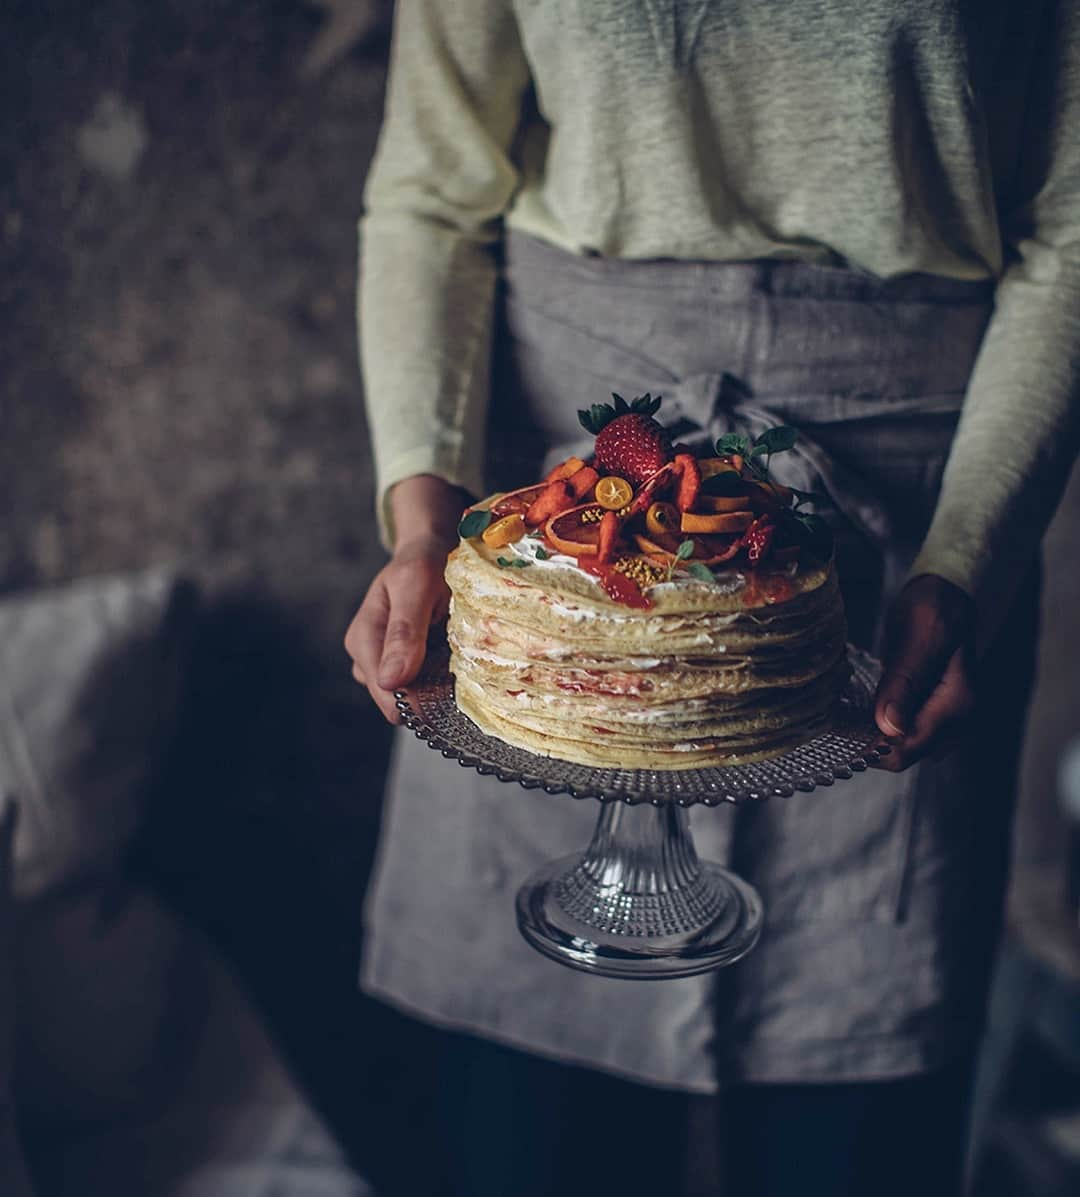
(571, 533)
(662, 517)
(503, 532)
(729, 521)
(613, 492)
(720, 503)
(564, 469)
(655, 551)
(716, 465)
(771, 494)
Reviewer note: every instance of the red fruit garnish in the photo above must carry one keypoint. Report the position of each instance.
(758, 538)
(689, 474)
(568, 532)
(634, 445)
(517, 500)
(609, 534)
(582, 482)
(650, 489)
(629, 442)
(765, 589)
(555, 497)
(618, 587)
(718, 549)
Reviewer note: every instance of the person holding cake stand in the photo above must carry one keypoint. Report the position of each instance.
(863, 221)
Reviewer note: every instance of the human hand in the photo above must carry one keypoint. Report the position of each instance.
(926, 692)
(388, 635)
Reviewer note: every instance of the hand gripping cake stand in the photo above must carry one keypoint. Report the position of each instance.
(638, 903)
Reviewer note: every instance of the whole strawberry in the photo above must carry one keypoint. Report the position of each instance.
(629, 442)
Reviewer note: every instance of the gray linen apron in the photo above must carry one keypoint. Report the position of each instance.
(882, 894)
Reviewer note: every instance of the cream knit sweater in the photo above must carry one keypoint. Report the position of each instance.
(939, 136)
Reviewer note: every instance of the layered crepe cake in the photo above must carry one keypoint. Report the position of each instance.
(677, 613)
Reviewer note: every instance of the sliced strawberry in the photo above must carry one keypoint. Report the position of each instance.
(609, 534)
(758, 538)
(717, 549)
(516, 501)
(686, 467)
(583, 482)
(555, 497)
(650, 489)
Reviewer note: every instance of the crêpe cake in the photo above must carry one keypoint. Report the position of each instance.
(648, 608)
(717, 673)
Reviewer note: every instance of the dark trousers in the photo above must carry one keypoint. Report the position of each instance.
(517, 1126)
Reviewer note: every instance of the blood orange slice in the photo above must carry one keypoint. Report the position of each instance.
(570, 534)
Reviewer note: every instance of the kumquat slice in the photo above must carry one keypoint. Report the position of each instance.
(503, 532)
(613, 492)
(662, 517)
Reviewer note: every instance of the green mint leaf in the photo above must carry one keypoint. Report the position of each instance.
(733, 442)
(777, 440)
(684, 550)
(473, 524)
(512, 562)
(701, 572)
(541, 553)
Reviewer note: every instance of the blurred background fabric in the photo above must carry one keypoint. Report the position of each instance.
(180, 182)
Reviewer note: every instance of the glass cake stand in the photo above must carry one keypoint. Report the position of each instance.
(638, 903)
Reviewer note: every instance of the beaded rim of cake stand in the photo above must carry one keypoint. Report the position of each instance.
(846, 747)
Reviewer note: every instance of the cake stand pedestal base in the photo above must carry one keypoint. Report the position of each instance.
(638, 903)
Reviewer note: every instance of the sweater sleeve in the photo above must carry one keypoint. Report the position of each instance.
(1019, 431)
(441, 180)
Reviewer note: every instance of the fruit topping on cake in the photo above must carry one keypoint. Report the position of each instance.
(639, 513)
